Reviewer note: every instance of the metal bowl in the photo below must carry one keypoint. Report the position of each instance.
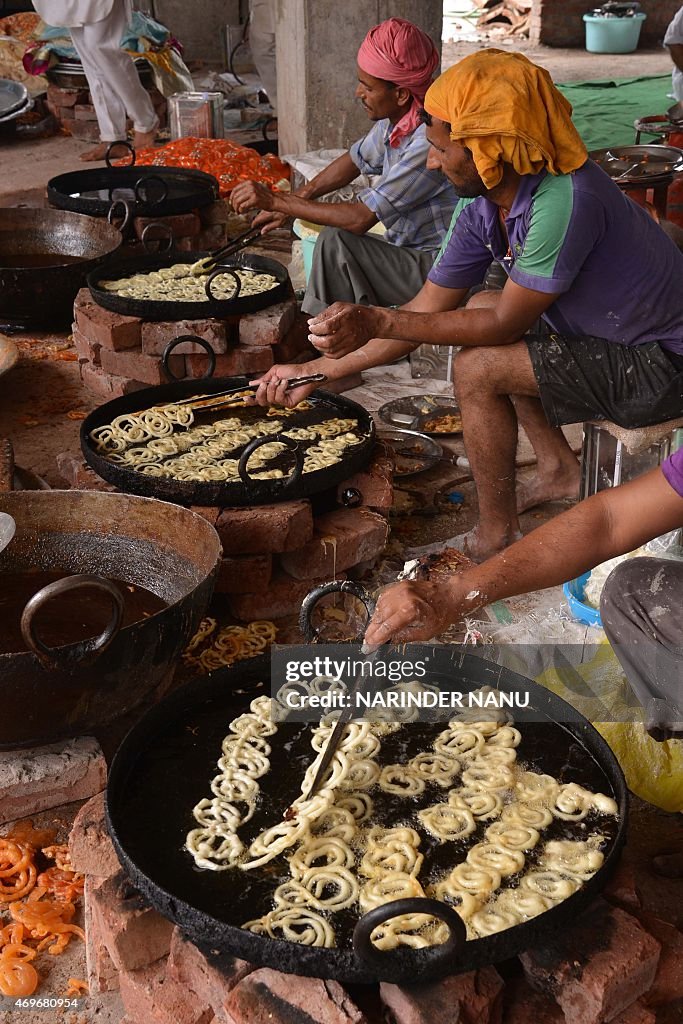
(414, 452)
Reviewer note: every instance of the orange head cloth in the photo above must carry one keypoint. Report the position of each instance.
(398, 51)
(505, 109)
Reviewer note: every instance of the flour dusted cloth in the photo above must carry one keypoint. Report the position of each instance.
(505, 109)
(398, 51)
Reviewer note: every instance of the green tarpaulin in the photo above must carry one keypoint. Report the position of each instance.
(604, 112)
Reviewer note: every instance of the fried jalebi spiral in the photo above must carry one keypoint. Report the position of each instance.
(17, 871)
(446, 822)
(214, 848)
(533, 788)
(337, 822)
(512, 837)
(573, 857)
(505, 736)
(359, 804)
(484, 804)
(435, 768)
(495, 858)
(493, 918)
(400, 779)
(524, 814)
(459, 743)
(322, 851)
(362, 774)
(574, 803)
(464, 903)
(480, 881)
(394, 886)
(272, 842)
(391, 856)
(414, 930)
(551, 884)
(494, 777)
(523, 902)
(330, 888)
(297, 924)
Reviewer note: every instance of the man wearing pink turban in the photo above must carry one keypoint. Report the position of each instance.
(396, 63)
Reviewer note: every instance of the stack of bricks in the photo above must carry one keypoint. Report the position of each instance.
(120, 354)
(616, 963)
(273, 555)
(73, 110)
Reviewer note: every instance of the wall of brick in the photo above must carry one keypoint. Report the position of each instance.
(559, 22)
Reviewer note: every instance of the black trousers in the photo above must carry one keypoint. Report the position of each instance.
(642, 614)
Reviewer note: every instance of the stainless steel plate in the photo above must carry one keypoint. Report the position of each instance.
(405, 412)
(13, 97)
(639, 163)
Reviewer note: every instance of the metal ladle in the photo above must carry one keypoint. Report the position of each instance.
(7, 529)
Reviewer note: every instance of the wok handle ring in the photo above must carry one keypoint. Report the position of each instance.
(443, 956)
(87, 651)
(217, 273)
(127, 213)
(335, 587)
(202, 342)
(288, 442)
(166, 236)
(143, 182)
(112, 145)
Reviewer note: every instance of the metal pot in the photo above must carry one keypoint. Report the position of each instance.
(75, 689)
(34, 290)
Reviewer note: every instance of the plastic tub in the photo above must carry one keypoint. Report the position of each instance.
(574, 592)
(308, 233)
(612, 35)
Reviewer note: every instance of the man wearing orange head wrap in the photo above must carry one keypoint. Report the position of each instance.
(579, 254)
(396, 63)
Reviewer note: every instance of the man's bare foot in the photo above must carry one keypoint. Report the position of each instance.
(541, 487)
(98, 153)
(475, 544)
(141, 140)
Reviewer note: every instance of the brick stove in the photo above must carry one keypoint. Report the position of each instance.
(74, 112)
(273, 554)
(617, 963)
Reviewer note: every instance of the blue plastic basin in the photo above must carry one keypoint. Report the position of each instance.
(613, 35)
(574, 591)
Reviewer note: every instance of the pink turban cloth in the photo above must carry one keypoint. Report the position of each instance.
(400, 52)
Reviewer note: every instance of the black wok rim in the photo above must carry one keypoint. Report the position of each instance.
(60, 190)
(148, 309)
(222, 493)
(343, 965)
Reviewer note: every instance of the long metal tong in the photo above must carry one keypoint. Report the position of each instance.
(209, 263)
(222, 398)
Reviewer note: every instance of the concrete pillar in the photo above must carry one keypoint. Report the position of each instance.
(317, 43)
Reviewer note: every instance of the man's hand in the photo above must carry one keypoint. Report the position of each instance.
(269, 221)
(343, 328)
(412, 610)
(251, 195)
(272, 386)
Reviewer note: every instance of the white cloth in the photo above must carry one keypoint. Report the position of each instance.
(115, 88)
(674, 36)
(262, 44)
(72, 13)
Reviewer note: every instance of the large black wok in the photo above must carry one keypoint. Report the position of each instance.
(168, 550)
(174, 748)
(247, 491)
(37, 286)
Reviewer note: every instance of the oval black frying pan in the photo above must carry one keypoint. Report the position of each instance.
(165, 765)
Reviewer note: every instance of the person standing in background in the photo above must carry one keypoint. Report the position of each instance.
(262, 42)
(96, 28)
(673, 40)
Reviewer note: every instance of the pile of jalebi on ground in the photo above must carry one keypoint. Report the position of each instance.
(212, 648)
(36, 923)
(226, 160)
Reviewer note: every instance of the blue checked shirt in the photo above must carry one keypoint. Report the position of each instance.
(414, 204)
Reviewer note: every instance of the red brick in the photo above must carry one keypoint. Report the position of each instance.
(283, 597)
(597, 968)
(210, 513)
(212, 236)
(78, 475)
(90, 848)
(244, 574)
(102, 973)
(134, 934)
(66, 97)
(268, 326)
(342, 538)
(107, 385)
(220, 212)
(375, 483)
(183, 225)
(269, 997)
(241, 359)
(136, 366)
(261, 529)
(622, 888)
(668, 984)
(151, 997)
(211, 977)
(87, 350)
(111, 330)
(85, 112)
(294, 348)
(474, 998)
(86, 131)
(156, 336)
(43, 777)
(6, 465)
(524, 1006)
(635, 1014)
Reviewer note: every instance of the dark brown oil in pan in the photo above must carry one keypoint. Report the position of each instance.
(67, 619)
(236, 896)
(28, 260)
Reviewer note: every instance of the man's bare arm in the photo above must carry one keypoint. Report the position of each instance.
(676, 51)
